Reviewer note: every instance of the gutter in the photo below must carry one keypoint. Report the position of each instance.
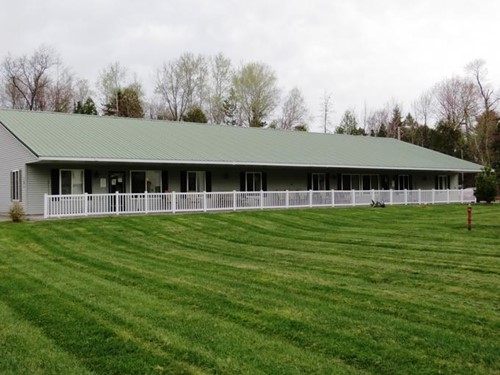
(241, 163)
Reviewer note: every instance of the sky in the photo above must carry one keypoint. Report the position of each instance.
(364, 53)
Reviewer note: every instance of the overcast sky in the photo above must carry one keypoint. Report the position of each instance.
(361, 51)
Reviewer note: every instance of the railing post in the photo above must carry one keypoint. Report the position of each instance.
(373, 195)
(406, 197)
(146, 205)
(390, 197)
(261, 199)
(46, 206)
(462, 195)
(433, 196)
(204, 201)
(419, 196)
(117, 203)
(234, 200)
(353, 197)
(173, 202)
(333, 198)
(310, 198)
(86, 204)
(448, 195)
(287, 199)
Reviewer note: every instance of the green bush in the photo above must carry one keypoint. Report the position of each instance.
(486, 185)
(16, 212)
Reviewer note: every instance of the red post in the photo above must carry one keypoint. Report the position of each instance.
(469, 217)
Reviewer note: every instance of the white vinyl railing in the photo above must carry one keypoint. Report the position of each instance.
(128, 203)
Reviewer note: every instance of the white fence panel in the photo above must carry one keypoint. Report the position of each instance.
(343, 198)
(127, 203)
(220, 201)
(298, 199)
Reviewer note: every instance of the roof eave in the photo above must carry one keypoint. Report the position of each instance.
(246, 163)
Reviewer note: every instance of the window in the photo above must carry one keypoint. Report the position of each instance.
(318, 181)
(72, 181)
(253, 181)
(443, 182)
(370, 181)
(350, 182)
(403, 182)
(15, 185)
(196, 181)
(142, 181)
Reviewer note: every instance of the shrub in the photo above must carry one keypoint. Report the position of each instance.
(16, 212)
(486, 185)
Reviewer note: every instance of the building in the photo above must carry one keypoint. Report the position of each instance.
(51, 153)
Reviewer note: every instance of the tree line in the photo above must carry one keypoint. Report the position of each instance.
(458, 116)
(191, 87)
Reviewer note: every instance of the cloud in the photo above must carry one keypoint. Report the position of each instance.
(361, 51)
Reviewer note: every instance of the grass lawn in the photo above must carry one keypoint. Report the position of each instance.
(400, 290)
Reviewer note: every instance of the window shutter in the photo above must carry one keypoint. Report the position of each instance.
(164, 181)
(327, 181)
(264, 181)
(436, 182)
(54, 181)
(208, 181)
(309, 181)
(183, 181)
(88, 181)
(20, 186)
(242, 181)
(339, 182)
(12, 186)
(448, 182)
(410, 182)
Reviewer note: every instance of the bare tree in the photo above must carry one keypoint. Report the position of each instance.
(117, 88)
(482, 142)
(60, 92)
(256, 93)
(422, 107)
(477, 69)
(82, 91)
(456, 102)
(326, 110)
(294, 111)
(110, 81)
(181, 84)
(221, 74)
(26, 80)
(378, 121)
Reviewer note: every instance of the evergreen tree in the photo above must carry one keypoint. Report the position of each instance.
(395, 123)
(486, 185)
(125, 103)
(195, 114)
(87, 108)
(382, 131)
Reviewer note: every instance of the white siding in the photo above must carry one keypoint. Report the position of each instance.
(13, 156)
(39, 184)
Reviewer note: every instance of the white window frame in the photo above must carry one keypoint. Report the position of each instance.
(318, 185)
(406, 182)
(442, 182)
(371, 187)
(255, 188)
(350, 178)
(200, 181)
(145, 171)
(82, 171)
(16, 185)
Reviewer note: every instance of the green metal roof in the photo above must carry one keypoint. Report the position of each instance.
(55, 136)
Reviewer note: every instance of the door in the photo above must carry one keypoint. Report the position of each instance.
(116, 183)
